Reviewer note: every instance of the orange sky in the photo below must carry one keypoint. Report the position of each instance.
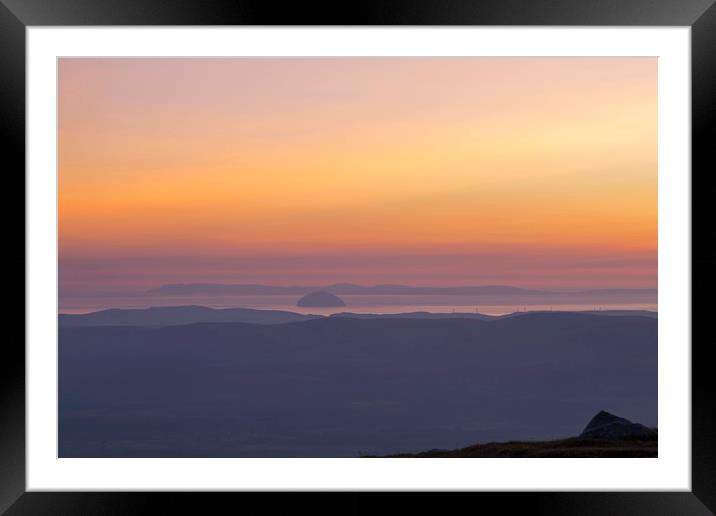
(167, 160)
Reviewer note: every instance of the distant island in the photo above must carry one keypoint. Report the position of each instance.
(320, 300)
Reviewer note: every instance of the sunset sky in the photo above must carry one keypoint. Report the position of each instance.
(442, 171)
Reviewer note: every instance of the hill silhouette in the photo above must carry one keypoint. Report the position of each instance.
(172, 315)
(486, 317)
(177, 315)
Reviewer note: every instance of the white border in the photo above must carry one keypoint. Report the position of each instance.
(670, 471)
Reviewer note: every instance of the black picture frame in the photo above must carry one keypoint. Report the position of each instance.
(700, 15)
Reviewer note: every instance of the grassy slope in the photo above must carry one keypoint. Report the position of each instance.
(572, 447)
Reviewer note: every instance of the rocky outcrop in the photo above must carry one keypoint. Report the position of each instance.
(608, 426)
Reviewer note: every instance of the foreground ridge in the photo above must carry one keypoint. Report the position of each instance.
(606, 435)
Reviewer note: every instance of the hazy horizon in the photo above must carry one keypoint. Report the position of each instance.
(382, 299)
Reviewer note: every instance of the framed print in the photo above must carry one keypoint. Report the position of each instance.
(412, 249)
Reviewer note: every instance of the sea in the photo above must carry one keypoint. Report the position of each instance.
(376, 304)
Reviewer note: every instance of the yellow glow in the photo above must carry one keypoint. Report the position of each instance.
(251, 156)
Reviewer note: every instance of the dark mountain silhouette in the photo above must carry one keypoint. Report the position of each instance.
(341, 386)
(347, 289)
(169, 315)
(638, 441)
(320, 300)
